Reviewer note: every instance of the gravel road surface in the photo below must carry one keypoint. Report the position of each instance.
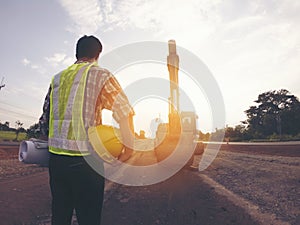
(238, 188)
(270, 183)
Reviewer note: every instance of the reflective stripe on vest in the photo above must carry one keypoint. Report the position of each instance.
(64, 96)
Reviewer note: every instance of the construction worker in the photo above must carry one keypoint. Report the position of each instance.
(74, 184)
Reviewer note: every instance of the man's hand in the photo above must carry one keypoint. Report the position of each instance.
(127, 133)
(125, 155)
(43, 137)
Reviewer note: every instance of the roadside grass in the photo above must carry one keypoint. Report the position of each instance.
(11, 136)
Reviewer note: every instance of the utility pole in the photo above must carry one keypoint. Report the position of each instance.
(2, 85)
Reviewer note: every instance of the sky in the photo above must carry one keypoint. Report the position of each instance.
(250, 47)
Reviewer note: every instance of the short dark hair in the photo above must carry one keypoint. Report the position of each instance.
(88, 46)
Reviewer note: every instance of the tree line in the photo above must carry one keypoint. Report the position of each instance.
(17, 130)
(275, 116)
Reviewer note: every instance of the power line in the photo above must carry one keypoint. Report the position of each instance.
(18, 113)
(17, 107)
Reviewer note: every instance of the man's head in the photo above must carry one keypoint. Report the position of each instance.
(88, 47)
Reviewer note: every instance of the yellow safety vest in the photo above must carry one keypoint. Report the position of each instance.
(67, 134)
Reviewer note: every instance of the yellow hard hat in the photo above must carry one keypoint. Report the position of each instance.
(106, 141)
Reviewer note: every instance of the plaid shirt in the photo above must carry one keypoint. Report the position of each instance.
(102, 92)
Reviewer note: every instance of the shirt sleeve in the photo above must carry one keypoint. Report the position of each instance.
(113, 98)
(44, 119)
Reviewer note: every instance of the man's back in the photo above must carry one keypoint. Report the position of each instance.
(73, 103)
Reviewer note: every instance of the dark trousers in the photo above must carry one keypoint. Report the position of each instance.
(75, 185)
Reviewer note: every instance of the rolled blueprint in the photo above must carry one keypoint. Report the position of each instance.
(34, 151)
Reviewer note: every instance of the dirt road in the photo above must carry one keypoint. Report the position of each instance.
(184, 199)
(268, 183)
(238, 188)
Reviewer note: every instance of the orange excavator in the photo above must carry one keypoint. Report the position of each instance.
(180, 122)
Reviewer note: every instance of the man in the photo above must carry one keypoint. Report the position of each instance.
(74, 184)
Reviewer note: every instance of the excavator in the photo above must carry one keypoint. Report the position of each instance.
(180, 123)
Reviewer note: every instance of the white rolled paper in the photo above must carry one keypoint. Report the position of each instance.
(34, 152)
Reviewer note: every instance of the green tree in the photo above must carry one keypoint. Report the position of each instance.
(203, 136)
(218, 135)
(238, 133)
(18, 128)
(4, 126)
(33, 131)
(277, 112)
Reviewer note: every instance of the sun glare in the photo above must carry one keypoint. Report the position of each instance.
(148, 108)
